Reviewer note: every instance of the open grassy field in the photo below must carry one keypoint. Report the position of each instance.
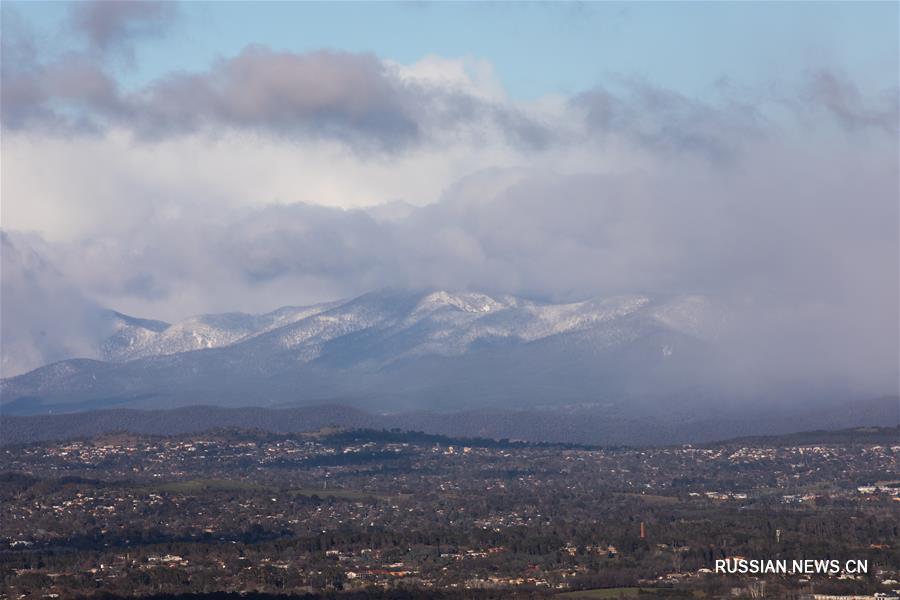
(335, 493)
(199, 486)
(652, 499)
(619, 592)
(629, 592)
(196, 486)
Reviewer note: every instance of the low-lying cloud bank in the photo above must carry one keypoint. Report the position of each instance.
(805, 255)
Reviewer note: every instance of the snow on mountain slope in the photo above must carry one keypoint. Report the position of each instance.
(386, 326)
(134, 338)
(411, 324)
(397, 325)
(453, 324)
(624, 357)
(388, 349)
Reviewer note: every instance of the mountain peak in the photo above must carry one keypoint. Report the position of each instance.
(470, 302)
(439, 347)
(400, 324)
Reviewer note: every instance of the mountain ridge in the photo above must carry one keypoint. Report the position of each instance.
(135, 337)
(382, 350)
(627, 358)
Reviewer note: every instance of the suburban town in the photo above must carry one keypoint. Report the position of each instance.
(338, 512)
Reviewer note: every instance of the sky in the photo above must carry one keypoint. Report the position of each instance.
(171, 159)
(535, 48)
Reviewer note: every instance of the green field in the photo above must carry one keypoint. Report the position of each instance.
(195, 486)
(199, 486)
(335, 493)
(652, 499)
(619, 592)
(629, 592)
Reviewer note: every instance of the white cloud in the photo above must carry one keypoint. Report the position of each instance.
(470, 76)
(617, 190)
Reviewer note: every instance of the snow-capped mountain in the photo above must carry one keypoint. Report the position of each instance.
(388, 350)
(138, 338)
(438, 323)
